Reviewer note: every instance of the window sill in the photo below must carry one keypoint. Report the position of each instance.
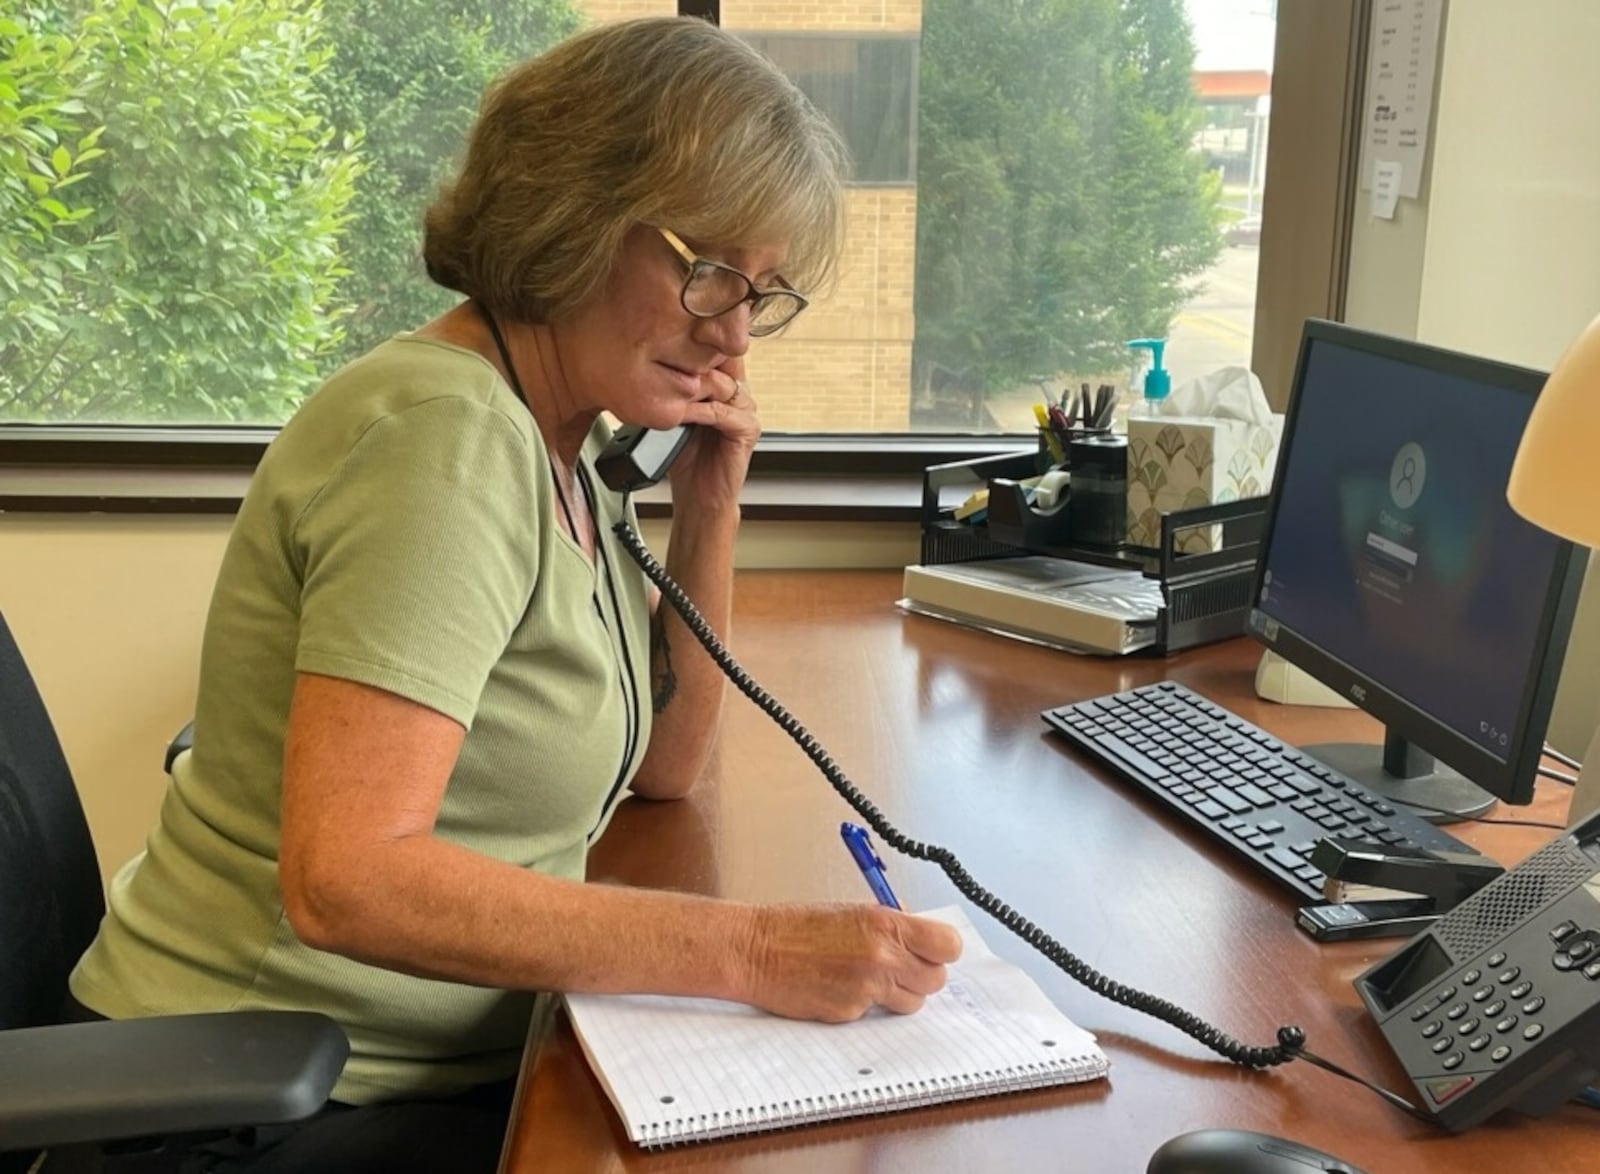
(205, 471)
(840, 496)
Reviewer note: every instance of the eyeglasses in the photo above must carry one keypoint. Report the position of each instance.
(711, 289)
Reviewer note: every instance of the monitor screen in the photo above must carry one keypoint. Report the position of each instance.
(1394, 571)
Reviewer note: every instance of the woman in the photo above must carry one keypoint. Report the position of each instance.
(429, 673)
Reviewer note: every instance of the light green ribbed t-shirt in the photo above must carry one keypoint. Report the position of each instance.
(401, 532)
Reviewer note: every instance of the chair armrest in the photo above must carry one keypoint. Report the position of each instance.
(164, 1075)
(181, 741)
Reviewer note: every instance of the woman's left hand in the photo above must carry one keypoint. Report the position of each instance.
(711, 469)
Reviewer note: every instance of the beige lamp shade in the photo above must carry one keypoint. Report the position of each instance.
(1555, 479)
(1555, 484)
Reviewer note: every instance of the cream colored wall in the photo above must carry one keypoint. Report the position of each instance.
(1383, 283)
(108, 611)
(1501, 255)
(1512, 266)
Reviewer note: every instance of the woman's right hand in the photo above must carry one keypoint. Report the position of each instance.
(834, 963)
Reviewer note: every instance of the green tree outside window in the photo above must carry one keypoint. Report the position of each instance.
(210, 205)
(1061, 206)
(172, 194)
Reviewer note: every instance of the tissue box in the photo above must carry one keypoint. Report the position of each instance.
(1179, 462)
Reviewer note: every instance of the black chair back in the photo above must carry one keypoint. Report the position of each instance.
(50, 897)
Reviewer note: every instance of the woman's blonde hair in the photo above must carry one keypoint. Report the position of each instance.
(664, 121)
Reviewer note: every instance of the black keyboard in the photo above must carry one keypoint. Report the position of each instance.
(1265, 800)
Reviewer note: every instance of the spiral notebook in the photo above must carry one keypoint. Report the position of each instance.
(681, 1070)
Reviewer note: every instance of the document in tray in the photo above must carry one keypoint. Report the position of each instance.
(1067, 604)
(682, 1070)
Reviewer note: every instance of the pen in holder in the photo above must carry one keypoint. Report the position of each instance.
(1052, 450)
(1098, 507)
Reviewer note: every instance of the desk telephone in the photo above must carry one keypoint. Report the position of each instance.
(1497, 1005)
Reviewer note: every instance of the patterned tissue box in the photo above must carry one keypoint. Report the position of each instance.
(1179, 462)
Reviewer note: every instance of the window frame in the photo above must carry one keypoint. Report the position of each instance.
(136, 468)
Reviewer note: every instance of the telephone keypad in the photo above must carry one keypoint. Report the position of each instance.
(1481, 1014)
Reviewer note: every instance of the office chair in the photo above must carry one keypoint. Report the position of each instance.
(135, 1086)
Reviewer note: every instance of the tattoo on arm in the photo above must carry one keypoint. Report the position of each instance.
(665, 682)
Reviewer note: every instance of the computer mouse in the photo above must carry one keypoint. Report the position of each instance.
(1241, 1151)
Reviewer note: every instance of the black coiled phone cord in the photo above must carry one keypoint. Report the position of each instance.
(1291, 1040)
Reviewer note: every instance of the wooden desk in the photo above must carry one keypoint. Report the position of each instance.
(940, 726)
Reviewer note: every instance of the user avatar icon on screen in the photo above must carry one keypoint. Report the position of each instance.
(1406, 475)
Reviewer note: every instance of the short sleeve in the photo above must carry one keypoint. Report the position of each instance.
(419, 554)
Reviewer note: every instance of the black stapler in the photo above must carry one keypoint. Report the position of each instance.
(1384, 890)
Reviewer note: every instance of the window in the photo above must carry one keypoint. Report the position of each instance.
(866, 85)
(1076, 176)
(217, 203)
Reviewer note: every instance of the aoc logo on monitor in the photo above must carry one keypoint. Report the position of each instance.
(1406, 475)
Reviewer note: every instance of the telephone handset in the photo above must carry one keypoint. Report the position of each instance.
(1497, 1005)
(638, 457)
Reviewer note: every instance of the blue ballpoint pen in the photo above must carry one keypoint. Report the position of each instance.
(855, 838)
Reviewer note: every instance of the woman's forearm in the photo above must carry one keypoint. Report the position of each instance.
(441, 911)
(427, 907)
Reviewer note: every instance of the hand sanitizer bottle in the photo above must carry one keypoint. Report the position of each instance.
(1157, 382)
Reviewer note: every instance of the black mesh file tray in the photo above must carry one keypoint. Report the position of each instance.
(1206, 594)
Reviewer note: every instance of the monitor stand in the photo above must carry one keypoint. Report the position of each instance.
(1402, 773)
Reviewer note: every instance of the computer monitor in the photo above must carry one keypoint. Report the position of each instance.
(1393, 570)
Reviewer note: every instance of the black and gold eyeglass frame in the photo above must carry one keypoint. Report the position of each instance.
(711, 289)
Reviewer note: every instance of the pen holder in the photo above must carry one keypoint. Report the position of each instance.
(1098, 507)
(1056, 445)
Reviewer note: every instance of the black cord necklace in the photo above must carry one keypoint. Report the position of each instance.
(632, 705)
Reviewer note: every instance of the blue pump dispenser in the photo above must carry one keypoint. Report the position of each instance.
(1157, 382)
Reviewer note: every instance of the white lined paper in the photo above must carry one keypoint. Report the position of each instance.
(690, 1069)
